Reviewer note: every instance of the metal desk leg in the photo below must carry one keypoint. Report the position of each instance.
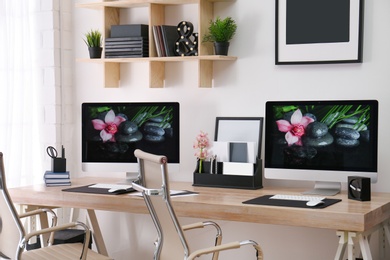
(97, 234)
(343, 238)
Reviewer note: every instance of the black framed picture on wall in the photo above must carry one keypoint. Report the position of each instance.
(318, 31)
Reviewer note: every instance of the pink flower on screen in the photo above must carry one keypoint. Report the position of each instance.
(109, 126)
(296, 129)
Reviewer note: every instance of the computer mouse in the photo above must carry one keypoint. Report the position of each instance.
(313, 203)
(116, 190)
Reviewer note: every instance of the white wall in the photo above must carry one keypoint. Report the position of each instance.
(241, 89)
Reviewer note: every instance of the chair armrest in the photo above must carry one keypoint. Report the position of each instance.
(39, 212)
(232, 245)
(218, 236)
(149, 192)
(57, 228)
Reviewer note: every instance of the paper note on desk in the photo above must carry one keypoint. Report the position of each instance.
(174, 193)
(231, 168)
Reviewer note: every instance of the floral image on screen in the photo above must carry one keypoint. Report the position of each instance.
(327, 136)
(113, 132)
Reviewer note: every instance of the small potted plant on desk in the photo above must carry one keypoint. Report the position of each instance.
(93, 39)
(221, 31)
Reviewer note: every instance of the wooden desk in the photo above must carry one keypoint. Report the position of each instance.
(353, 220)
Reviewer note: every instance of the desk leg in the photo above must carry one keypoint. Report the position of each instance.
(343, 239)
(386, 233)
(364, 246)
(97, 234)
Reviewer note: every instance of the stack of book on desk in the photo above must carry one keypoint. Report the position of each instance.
(57, 178)
(128, 41)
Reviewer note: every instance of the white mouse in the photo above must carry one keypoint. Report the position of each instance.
(313, 203)
(116, 190)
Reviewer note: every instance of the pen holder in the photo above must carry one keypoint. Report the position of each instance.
(58, 165)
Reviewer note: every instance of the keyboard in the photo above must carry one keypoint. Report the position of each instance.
(296, 197)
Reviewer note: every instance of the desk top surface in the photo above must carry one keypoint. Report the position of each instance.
(218, 204)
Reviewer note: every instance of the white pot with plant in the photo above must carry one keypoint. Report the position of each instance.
(93, 39)
(221, 31)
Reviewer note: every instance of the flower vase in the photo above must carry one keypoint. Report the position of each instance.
(200, 170)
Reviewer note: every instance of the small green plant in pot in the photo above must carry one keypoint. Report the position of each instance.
(221, 31)
(93, 39)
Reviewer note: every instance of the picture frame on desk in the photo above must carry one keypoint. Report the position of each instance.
(315, 32)
(244, 129)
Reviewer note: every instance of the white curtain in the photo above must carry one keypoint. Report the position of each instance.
(21, 110)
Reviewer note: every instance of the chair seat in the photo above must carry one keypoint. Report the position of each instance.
(61, 252)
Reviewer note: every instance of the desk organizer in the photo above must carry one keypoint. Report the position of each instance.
(228, 181)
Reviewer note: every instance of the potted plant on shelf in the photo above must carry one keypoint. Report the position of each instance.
(221, 31)
(93, 39)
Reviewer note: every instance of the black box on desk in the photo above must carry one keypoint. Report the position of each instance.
(359, 188)
(229, 181)
(130, 30)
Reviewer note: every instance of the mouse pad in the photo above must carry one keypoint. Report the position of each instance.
(265, 200)
(87, 189)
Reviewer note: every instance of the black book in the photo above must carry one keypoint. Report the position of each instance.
(170, 36)
(118, 39)
(125, 44)
(139, 49)
(125, 52)
(127, 56)
(130, 30)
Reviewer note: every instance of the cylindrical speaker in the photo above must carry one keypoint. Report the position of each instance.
(359, 188)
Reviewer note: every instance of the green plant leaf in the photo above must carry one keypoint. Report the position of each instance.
(221, 30)
(93, 38)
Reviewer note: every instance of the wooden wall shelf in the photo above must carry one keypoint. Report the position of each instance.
(156, 8)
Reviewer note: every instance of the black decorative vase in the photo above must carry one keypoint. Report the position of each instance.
(95, 52)
(221, 48)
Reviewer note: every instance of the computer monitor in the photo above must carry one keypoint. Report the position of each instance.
(321, 141)
(112, 131)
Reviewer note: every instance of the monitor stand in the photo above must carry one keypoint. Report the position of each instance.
(324, 188)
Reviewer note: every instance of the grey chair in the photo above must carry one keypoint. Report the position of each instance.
(171, 243)
(13, 237)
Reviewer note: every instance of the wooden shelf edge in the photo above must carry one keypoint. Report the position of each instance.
(140, 3)
(162, 59)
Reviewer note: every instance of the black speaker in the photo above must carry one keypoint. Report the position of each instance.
(359, 188)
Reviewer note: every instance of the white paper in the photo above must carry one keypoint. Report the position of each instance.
(234, 168)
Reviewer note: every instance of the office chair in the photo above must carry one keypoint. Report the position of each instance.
(171, 243)
(13, 238)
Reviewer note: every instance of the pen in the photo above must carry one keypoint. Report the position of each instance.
(63, 152)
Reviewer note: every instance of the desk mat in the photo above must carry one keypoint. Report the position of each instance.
(87, 189)
(265, 200)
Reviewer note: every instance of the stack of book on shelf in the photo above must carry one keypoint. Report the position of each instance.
(127, 41)
(57, 178)
(165, 37)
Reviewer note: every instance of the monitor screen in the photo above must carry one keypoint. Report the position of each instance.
(321, 140)
(112, 131)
